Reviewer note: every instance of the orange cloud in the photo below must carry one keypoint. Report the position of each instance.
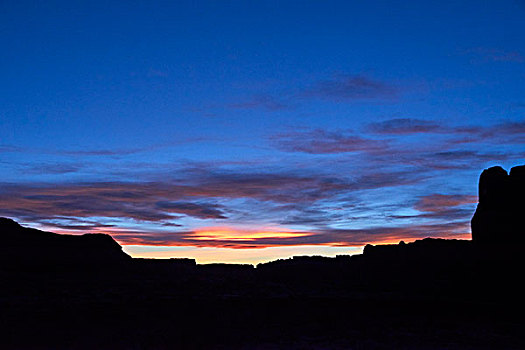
(240, 238)
(233, 234)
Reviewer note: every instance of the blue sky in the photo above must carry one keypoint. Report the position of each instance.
(246, 131)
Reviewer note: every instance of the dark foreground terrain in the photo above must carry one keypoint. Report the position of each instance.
(83, 292)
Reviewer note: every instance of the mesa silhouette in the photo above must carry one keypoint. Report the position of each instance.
(30, 248)
(499, 215)
(84, 292)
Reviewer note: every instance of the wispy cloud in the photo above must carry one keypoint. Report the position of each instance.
(404, 126)
(75, 224)
(484, 54)
(508, 132)
(443, 147)
(325, 142)
(51, 168)
(198, 210)
(84, 152)
(100, 152)
(352, 88)
(447, 207)
(512, 131)
(337, 88)
(266, 102)
(10, 149)
(104, 152)
(466, 159)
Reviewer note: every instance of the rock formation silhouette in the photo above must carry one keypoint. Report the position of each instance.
(23, 247)
(499, 215)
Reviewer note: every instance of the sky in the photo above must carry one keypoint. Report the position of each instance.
(246, 131)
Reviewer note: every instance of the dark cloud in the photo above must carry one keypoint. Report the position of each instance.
(198, 210)
(90, 226)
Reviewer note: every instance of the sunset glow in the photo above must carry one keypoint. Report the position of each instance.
(231, 234)
(208, 255)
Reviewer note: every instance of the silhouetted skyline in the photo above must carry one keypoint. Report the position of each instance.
(188, 130)
(83, 291)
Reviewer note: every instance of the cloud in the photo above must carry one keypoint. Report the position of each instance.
(484, 54)
(511, 131)
(266, 102)
(100, 152)
(10, 149)
(95, 152)
(387, 234)
(508, 132)
(198, 210)
(256, 195)
(310, 216)
(157, 201)
(83, 200)
(307, 199)
(456, 159)
(325, 142)
(76, 224)
(445, 207)
(240, 239)
(104, 152)
(439, 202)
(339, 88)
(351, 88)
(405, 126)
(444, 147)
(276, 187)
(58, 168)
(510, 128)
